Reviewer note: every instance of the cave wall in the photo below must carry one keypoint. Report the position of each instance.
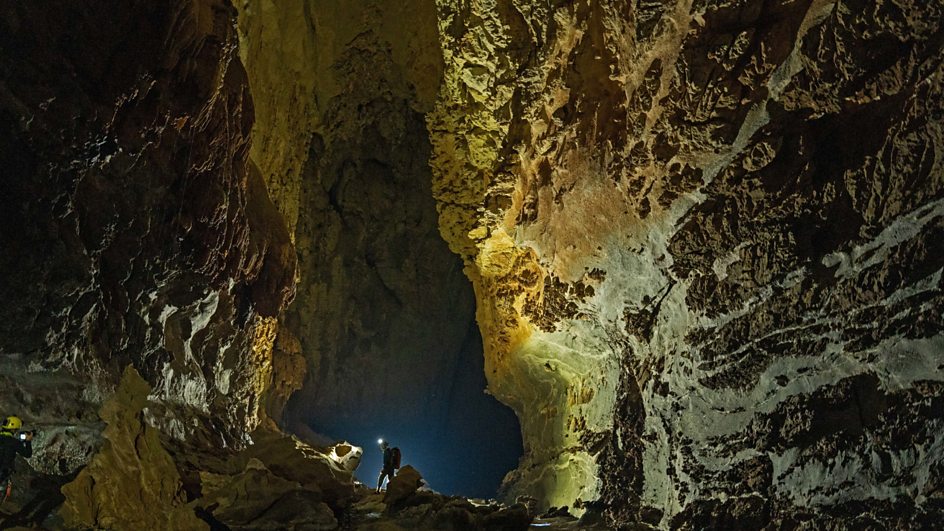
(704, 239)
(382, 303)
(383, 311)
(133, 232)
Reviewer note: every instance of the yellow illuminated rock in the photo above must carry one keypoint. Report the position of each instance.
(132, 482)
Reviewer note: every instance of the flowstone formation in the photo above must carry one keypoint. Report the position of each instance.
(705, 244)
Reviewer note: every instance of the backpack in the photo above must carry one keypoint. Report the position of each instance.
(395, 457)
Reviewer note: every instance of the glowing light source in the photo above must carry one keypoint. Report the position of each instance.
(380, 441)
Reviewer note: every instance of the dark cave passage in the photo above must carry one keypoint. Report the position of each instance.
(384, 314)
(386, 318)
(464, 450)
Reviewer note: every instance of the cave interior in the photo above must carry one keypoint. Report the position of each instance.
(590, 264)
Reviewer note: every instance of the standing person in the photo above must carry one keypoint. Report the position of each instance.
(12, 442)
(391, 462)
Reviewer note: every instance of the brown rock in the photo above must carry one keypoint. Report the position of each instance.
(132, 482)
(511, 518)
(259, 499)
(403, 485)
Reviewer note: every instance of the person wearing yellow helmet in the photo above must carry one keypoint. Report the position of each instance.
(13, 442)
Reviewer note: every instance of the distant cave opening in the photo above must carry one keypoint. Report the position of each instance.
(384, 314)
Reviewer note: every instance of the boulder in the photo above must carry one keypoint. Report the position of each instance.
(403, 485)
(453, 517)
(508, 519)
(346, 455)
(292, 459)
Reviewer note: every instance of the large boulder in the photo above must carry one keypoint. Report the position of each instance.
(294, 460)
(346, 455)
(403, 485)
(257, 498)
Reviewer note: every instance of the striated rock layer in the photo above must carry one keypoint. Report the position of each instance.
(705, 244)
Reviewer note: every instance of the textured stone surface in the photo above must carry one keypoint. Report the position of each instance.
(277, 483)
(134, 234)
(704, 239)
(403, 484)
(132, 482)
(409, 508)
(384, 315)
(139, 236)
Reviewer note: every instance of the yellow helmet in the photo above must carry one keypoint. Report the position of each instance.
(12, 423)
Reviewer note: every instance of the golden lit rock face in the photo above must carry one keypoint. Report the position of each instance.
(556, 370)
(690, 242)
(277, 47)
(132, 482)
(291, 50)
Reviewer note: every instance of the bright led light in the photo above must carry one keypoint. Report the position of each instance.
(380, 441)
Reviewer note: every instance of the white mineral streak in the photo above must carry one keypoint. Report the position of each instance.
(869, 254)
(182, 380)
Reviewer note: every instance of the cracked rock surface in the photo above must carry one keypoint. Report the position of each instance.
(134, 233)
(139, 236)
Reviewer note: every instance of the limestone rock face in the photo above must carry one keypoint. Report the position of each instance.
(133, 233)
(277, 483)
(704, 240)
(132, 483)
(384, 315)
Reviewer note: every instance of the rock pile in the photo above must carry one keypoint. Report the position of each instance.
(133, 482)
(408, 505)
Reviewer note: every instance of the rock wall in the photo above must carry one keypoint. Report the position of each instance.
(704, 239)
(133, 232)
(380, 311)
(384, 316)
